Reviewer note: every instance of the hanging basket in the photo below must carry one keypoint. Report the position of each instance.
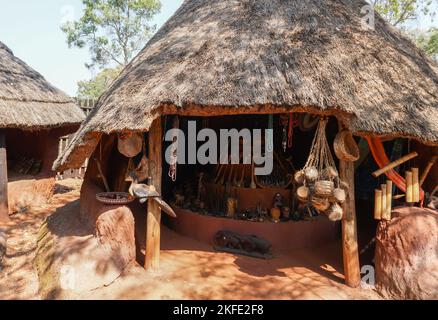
(345, 147)
(335, 212)
(319, 203)
(324, 188)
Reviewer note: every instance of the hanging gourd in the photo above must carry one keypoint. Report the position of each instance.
(319, 179)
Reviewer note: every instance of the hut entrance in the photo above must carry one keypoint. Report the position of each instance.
(229, 197)
(27, 157)
(227, 205)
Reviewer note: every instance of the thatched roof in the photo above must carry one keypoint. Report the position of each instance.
(28, 101)
(218, 57)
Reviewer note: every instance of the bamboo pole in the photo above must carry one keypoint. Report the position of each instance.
(384, 200)
(427, 170)
(349, 228)
(378, 204)
(152, 256)
(409, 191)
(395, 163)
(415, 185)
(387, 210)
(4, 204)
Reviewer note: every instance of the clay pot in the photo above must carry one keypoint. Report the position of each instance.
(130, 144)
(285, 212)
(275, 213)
(346, 147)
(311, 174)
(339, 195)
(303, 193)
(335, 212)
(320, 204)
(324, 188)
(231, 207)
(299, 177)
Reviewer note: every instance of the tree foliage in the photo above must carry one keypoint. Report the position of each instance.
(93, 89)
(113, 30)
(399, 12)
(428, 41)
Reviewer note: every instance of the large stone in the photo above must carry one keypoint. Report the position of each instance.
(74, 258)
(407, 254)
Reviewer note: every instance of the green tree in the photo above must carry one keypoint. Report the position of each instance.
(113, 30)
(399, 12)
(93, 89)
(428, 41)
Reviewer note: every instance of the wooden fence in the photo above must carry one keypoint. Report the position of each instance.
(86, 105)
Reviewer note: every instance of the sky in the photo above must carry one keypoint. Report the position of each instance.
(31, 29)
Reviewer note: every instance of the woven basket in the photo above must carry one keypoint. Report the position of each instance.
(115, 198)
(339, 195)
(303, 193)
(299, 177)
(321, 204)
(324, 188)
(335, 212)
(345, 147)
(311, 174)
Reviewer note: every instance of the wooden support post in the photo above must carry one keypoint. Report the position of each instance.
(349, 228)
(4, 206)
(152, 258)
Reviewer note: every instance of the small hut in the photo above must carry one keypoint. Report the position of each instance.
(33, 116)
(241, 64)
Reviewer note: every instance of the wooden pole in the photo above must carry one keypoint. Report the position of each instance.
(427, 170)
(4, 206)
(409, 190)
(349, 228)
(378, 204)
(387, 211)
(384, 200)
(415, 185)
(152, 258)
(394, 164)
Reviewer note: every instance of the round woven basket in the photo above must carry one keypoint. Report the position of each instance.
(345, 147)
(114, 198)
(321, 204)
(324, 188)
(303, 193)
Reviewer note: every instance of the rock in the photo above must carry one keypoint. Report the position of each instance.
(74, 258)
(407, 254)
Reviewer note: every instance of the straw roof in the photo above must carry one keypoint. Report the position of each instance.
(216, 57)
(28, 101)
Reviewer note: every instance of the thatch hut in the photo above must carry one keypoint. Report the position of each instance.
(33, 115)
(236, 60)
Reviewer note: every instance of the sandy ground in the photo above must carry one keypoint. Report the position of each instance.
(189, 269)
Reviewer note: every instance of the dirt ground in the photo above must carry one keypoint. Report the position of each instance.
(189, 269)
